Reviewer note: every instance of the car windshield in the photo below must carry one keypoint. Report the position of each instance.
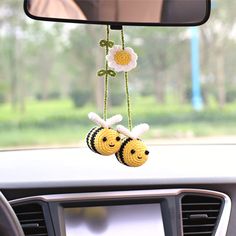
(184, 86)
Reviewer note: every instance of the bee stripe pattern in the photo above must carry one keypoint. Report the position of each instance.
(91, 138)
(133, 152)
(120, 153)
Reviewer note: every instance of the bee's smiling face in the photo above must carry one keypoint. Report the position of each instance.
(135, 153)
(108, 142)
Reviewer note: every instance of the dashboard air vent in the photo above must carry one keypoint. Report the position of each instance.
(31, 218)
(200, 215)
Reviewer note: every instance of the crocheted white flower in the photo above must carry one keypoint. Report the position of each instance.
(122, 60)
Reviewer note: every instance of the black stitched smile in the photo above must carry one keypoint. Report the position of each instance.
(139, 158)
(112, 145)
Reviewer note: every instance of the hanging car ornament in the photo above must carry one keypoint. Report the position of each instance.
(104, 140)
(130, 151)
(133, 151)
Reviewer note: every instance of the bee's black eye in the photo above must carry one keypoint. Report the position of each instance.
(132, 151)
(146, 152)
(104, 139)
(118, 138)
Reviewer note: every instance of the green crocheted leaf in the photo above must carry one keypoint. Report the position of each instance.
(102, 43)
(110, 44)
(101, 72)
(105, 43)
(112, 73)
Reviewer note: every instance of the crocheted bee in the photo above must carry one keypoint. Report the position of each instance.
(133, 151)
(104, 140)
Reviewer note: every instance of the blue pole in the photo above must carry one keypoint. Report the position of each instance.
(197, 101)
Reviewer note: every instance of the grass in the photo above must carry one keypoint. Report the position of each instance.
(60, 123)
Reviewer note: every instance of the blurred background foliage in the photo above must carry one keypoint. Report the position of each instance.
(48, 79)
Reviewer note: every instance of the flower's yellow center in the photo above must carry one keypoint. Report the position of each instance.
(122, 57)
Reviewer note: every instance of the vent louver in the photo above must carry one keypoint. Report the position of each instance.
(200, 215)
(31, 218)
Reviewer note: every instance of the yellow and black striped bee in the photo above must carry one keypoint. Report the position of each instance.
(104, 140)
(133, 151)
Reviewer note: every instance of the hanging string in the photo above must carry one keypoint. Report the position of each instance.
(126, 78)
(106, 75)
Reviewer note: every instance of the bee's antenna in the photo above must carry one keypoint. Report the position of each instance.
(113, 120)
(97, 119)
(138, 130)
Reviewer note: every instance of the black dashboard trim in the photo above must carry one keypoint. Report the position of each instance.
(172, 225)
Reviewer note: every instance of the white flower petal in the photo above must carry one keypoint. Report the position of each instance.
(112, 65)
(134, 57)
(111, 54)
(133, 63)
(117, 69)
(130, 50)
(134, 66)
(127, 69)
(121, 67)
(110, 57)
(130, 67)
(117, 48)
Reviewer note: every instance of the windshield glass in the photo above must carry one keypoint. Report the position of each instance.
(184, 85)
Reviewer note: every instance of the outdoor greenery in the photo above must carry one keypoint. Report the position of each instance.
(48, 81)
(59, 122)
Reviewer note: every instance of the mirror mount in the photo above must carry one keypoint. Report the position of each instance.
(116, 27)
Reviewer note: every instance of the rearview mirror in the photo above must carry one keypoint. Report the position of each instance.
(121, 12)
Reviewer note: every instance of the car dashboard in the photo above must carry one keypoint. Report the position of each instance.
(181, 190)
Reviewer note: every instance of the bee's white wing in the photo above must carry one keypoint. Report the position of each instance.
(125, 131)
(114, 120)
(138, 130)
(97, 119)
